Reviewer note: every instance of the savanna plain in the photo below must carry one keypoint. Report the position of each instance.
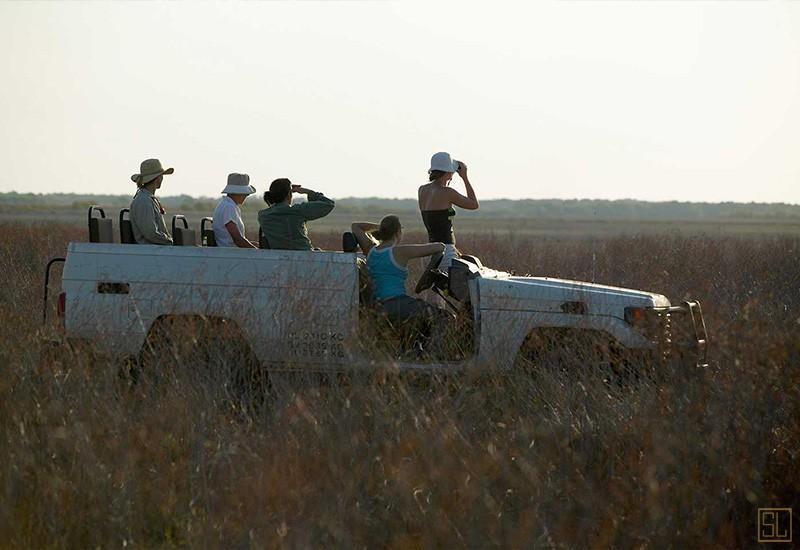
(91, 457)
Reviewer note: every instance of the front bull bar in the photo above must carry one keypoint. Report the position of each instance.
(689, 337)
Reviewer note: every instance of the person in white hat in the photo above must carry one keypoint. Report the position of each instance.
(228, 224)
(147, 214)
(436, 201)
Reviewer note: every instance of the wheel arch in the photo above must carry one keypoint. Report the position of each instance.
(193, 326)
(503, 333)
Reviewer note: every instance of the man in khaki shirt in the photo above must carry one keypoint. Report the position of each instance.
(147, 214)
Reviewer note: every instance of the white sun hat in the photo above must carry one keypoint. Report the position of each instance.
(239, 184)
(443, 162)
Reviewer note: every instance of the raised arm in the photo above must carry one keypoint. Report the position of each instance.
(361, 231)
(317, 206)
(405, 252)
(470, 202)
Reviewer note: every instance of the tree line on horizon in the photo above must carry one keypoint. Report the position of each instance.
(625, 209)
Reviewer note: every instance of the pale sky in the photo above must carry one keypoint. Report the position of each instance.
(655, 101)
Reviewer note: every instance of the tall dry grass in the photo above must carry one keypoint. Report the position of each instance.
(89, 459)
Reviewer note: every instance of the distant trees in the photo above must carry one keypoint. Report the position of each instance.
(553, 209)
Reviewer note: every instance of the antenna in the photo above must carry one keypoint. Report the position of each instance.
(594, 248)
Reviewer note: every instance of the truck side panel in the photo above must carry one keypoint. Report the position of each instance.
(509, 315)
(292, 306)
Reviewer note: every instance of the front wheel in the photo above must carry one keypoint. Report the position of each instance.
(564, 357)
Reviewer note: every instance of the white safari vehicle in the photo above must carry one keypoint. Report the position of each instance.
(311, 310)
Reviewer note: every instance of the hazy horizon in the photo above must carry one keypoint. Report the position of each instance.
(257, 198)
(653, 101)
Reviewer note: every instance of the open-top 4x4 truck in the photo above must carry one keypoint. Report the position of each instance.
(311, 310)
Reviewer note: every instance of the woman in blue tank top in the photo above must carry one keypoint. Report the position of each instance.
(387, 262)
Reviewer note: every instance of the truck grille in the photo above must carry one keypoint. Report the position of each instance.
(679, 332)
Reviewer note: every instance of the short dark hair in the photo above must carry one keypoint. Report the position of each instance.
(278, 191)
(434, 175)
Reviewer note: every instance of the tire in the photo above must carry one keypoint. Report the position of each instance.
(204, 349)
(565, 356)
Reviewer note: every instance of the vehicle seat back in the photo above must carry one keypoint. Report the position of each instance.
(262, 239)
(182, 236)
(458, 279)
(125, 228)
(349, 242)
(207, 235)
(101, 230)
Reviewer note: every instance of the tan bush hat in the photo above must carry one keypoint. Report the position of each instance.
(238, 184)
(149, 170)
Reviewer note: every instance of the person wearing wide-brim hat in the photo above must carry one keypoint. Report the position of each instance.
(147, 214)
(228, 224)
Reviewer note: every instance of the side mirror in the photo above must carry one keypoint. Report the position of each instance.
(349, 242)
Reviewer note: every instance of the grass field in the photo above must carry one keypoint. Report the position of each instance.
(88, 459)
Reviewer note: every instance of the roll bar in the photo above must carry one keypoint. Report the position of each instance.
(207, 235)
(125, 228)
(181, 217)
(101, 229)
(92, 209)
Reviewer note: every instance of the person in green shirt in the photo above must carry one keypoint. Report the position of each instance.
(283, 224)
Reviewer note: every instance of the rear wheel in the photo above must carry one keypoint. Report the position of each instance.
(208, 351)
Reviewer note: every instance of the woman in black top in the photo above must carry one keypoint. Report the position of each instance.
(436, 201)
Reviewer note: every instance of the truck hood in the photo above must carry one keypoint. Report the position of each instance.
(544, 294)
